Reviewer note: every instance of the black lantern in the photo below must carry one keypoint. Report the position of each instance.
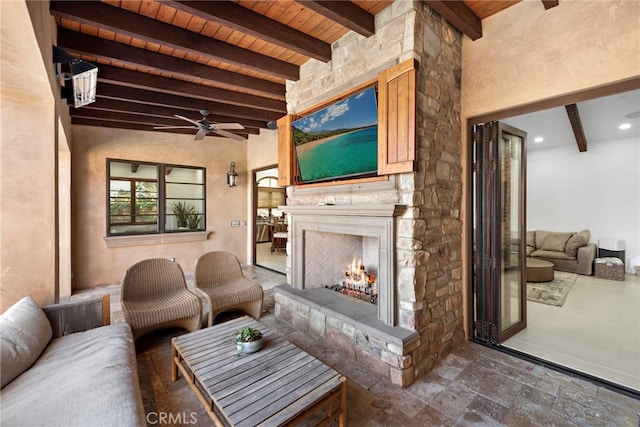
(232, 176)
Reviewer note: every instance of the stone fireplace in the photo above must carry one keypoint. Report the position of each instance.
(325, 239)
(412, 220)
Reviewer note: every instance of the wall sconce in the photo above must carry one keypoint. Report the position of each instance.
(232, 176)
(83, 76)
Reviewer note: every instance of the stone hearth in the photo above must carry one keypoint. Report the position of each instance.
(361, 330)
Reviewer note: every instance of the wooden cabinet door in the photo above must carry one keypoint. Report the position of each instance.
(286, 154)
(397, 113)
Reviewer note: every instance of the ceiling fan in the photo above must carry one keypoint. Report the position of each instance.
(204, 127)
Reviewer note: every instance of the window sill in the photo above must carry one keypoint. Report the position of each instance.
(155, 239)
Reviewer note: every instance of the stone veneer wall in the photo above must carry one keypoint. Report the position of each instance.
(428, 241)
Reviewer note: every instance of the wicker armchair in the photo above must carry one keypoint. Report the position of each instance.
(219, 275)
(155, 296)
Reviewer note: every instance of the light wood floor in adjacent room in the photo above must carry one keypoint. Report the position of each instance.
(597, 331)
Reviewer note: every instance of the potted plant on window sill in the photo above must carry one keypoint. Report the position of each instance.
(181, 211)
(248, 340)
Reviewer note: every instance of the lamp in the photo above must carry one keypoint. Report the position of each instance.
(83, 76)
(232, 176)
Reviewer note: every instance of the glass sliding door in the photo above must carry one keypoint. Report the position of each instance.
(498, 182)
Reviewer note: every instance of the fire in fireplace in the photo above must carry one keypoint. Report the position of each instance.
(358, 283)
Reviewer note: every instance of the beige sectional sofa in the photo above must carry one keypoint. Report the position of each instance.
(82, 378)
(568, 251)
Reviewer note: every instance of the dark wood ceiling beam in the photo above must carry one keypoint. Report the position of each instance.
(548, 4)
(153, 110)
(127, 117)
(134, 79)
(246, 21)
(105, 123)
(108, 50)
(576, 126)
(138, 118)
(459, 15)
(124, 93)
(344, 13)
(110, 18)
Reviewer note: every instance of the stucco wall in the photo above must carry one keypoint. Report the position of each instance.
(28, 153)
(93, 262)
(528, 54)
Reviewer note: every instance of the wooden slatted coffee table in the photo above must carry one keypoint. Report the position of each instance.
(278, 385)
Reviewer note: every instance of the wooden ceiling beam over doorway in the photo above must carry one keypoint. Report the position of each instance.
(576, 126)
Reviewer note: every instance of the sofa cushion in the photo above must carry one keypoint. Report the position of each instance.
(555, 242)
(576, 241)
(24, 332)
(83, 379)
(540, 253)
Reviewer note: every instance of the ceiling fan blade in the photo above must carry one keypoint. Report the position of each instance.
(200, 135)
(173, 127)
(228, 134)
(227, 126)
(187, 119)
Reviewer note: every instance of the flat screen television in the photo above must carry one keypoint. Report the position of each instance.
(340, 141)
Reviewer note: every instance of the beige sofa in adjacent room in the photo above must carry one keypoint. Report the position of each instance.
(568, 251)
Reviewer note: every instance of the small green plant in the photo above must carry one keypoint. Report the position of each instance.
(181, 211)
(193, 220)
(248, 334)
(185, 215)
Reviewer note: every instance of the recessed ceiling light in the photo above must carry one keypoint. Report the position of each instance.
(624, 126)
(538, 139)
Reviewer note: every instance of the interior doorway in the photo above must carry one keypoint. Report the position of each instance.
(270, 225)
(596, 330)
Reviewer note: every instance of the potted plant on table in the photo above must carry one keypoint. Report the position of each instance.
(248, 340)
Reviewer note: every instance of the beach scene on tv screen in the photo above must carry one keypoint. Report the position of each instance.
(339, 141)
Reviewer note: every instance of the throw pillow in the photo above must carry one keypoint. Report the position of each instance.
(555, 242)
(24, 333)
(576, 241)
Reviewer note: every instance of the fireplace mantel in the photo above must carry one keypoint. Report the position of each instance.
(371, 220)
(368, 210)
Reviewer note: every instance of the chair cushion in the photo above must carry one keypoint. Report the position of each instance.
(25, 331)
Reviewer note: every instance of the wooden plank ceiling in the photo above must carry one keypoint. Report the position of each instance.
(157, 59)
(161, 58)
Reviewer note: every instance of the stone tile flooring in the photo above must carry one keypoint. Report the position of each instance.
(474, 386)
